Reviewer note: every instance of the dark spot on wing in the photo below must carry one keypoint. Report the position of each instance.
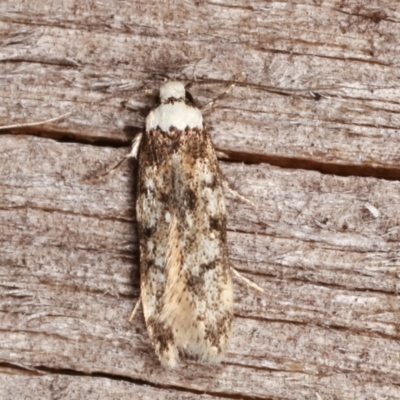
(196, 285)
(147, 231)
(162, 335)
(190, 199)
(215, 333)
(208, 266)
(216, 223)
(164, 197)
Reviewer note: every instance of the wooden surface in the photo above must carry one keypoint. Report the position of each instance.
(311, 137)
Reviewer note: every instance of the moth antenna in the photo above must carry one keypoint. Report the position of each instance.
(29, 124)
(232, 83)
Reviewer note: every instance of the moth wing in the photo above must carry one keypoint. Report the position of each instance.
(153, 226)
(198, 298)
(186, 284)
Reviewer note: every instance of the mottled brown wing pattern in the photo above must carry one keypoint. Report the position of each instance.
(186, 286)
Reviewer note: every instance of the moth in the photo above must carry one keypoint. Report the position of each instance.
(186, 284)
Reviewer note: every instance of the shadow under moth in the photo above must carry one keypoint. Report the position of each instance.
(186, 285)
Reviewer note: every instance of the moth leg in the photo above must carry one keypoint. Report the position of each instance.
(133, 313)
(236, 194)
(133, 154)
(105, 174)
(221, 154)
(135, 146)
(240, 276)
(247, 281)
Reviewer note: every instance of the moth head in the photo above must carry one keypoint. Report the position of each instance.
(174, 108)
(176, 91)
(172, 90)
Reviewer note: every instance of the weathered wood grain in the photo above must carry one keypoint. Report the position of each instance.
(327, 323)
(326, 68)
(321, 94)
(91, 388)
